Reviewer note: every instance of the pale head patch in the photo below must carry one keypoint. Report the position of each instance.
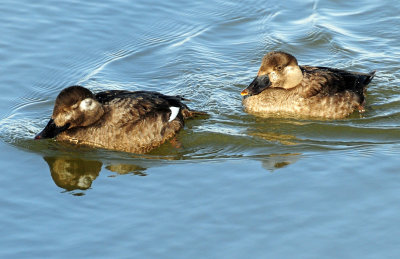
(293, 75)
(289, 68)
(87, 104)
(273, 76)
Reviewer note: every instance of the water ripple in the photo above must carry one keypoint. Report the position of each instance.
(208, 54)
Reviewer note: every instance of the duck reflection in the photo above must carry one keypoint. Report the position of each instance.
(73, 173)
(78, 174)
(277, 161)
(284, 139)
(126, 169)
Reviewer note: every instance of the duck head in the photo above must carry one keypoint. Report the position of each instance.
(278, 69)
(75, 106)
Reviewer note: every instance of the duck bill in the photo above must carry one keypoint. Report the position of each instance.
(51, 130)
(259, 84)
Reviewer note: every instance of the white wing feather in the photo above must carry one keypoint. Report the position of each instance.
(174, 113)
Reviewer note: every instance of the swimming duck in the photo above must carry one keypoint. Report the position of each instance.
(135, 122)
(282, 87)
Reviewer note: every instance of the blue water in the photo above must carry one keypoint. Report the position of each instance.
(240, 186)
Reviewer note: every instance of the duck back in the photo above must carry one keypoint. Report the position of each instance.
(330, 81)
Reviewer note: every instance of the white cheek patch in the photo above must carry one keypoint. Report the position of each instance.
(273, 76)
(87, 104)
(174, 113)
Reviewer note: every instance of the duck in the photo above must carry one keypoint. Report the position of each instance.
(283, 88)
(121, 120)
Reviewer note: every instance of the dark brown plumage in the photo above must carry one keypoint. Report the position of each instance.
(134, 122)
(283, 87)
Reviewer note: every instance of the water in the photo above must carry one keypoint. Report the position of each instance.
(240, 186)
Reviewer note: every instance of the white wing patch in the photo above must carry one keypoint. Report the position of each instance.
(174, 113)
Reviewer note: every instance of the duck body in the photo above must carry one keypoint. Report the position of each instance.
(135, 122)
(284, 88)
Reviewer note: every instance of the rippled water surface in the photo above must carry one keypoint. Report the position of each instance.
(240, 186)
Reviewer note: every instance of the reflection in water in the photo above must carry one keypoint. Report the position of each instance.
(78, 174)
(126, 169)
(277, 161)
(276, 137)
(73, 173)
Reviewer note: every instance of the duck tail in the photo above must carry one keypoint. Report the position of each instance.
(362, 82)
(188, 114)
(368, 77)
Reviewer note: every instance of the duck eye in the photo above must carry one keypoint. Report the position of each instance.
(279, 68)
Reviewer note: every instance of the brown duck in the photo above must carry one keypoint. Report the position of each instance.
(127, 121)
(282, 87)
